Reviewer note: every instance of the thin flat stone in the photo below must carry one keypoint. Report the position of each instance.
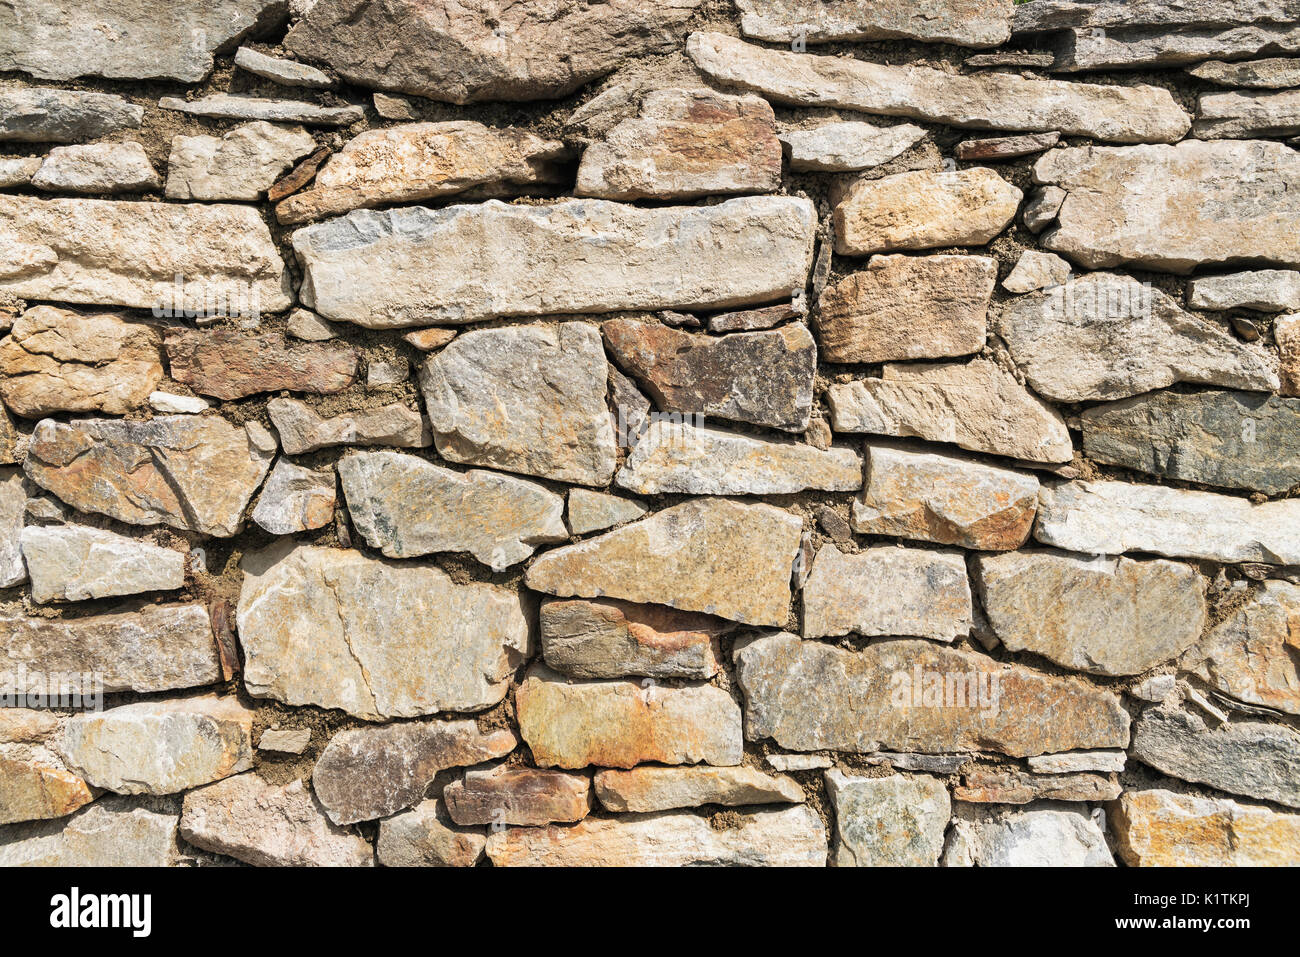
(973, 23)
(295, 499)
(240, 165)
(751, 320)
(73, 563)
(302, 430)
(887, 822)
(1006, 147)
(848, 147)
(503, 794)
(1071, 762)
(1158, 46)
(13, 512)
(646, 789)
(98, 168)
(44, 115)
(232, 363)
(281, 71)
(1250, 114)
(294, 741)
(224, 106)
(1264, 290)
(169, 403)
(1272, 73)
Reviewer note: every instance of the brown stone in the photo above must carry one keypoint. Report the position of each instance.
(653, 788)
(1162, 829)
(298, 177)
(518, 795)
(1013, 786)
(1006, 147)
(35, 790)
(426, 837)
(302, 429)
(232, 363)
(426, 340)
(750, 320)
(1286, 330)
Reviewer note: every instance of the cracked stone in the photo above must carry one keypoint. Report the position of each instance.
(888, 822)
(240, 165)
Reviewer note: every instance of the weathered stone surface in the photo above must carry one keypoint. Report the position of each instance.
(18, 170)
(306, 325)
(1105, 336)
(1265, 290)
(1272, 73)
(789, 837)
(1252, 656)
(189, 472)
(281, 71)
(1013, 786)
(888, 822)
(378, 639)
(73, 563)
(13, 507)
(405, 507)
(406, 164)
(676, 457)
(619, 724)
(1042, 208)
(169, 403)
(517, 795)
(973, 23)
(924, 209)
(887, 590)
(1043, 835)
(491, 260)
(848, 147)
(112, 832)
(38, 789)
(425, 836)
(299, 176)
(764, 378)
(152, 648)
(125, 39)
(427, 340)
(711, 555)
(1013, 58)
(231, 363)
(302, 430)
(1006, 147)
(1158, 828)
(945, 300)
(1247, 115)
(293, 741)
(394, 107)
(465, 51)
(809, 696)
(264, 825)
(224, 106)
(1287, 333)
(1174, 208)
(160, 747)
(295, 499)
(593, 511)
(685, 144)
(1148, 47)
(42, 115)
(240, 165)
(98, 168)
(1036, 270)
(527, 399)
(1246, 757)
(1107, 518)
(367, 773)
(55, 360)
(651, 788)
(1071, 762)
(999, 101)
(975, 405)
(1060, 14)
(1229, 439)
(27, 725)
(944, 499)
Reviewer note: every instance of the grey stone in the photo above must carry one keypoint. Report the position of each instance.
(281, 71)
(652, 788)
(1159, 46)
(973, 23)
(591, 511)
(225, 106)
(13, 508)
(98, 168)
(1042, 835)
(18, 170)
(1042, 208)
(1251, 114)
(73, 563)
(295, 499)
(425, 836)
(302, 430)
(848, 147)
(42, 115)
(240, 165)
(1273, 73)
(306, 325)
(1264, 290)
(1035, 270)
(292, 741)
(888, 822)
(112, 832)
(1071, 762)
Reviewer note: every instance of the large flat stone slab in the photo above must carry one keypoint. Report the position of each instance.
(44, 115)
(74, 563)
(1157, 828)
(971, 23)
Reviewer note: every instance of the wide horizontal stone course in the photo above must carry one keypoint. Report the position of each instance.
(39, 788)
(1154, 47)
(1039, 835)
(226, 106)
(1267, 74)
(1265, 290)
(1158, 828)
(1013, 786)
(43, 115)
(241, 165)
(888, 822)
(972, 23)
(233, 363)
(74, 563)
(492, 260)
(1061, 14)
(301, 429)
(1248, 115)
(111, 832)
(651, 788)
(517, 795)
(847, 147)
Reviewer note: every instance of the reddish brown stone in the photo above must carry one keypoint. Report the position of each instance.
(518, 795)
(232, 364)
(1012, 786)
(298, 177)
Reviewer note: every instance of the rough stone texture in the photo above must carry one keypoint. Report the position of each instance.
(1074, 761)
(491, 260)
(619, 724)
(1158, 47)
(1247, 115)
(112, 832)
(73, 563)
(648, 789)
(368, 773)
(594, 511)
(406, 507)
(281, 71)
(790, 837)
(169, 403)
(1158, 828)
(306, 325)
(1006, 147)
(294, 741)
(18, 170)
(425, 836)
(1035, 270)
(1043, 835)
(38, 789)
(1107, 518)
(241, 165)
(188, 472)
(1272, 73)
(100, 168)
(1173, 208)
(334, 628)
(975, 405)
(295, 499)
(1013, 786)
(944, 499)
(223, 106)
(1107, 616)
(247, 818)
(972, 23)
(232, 363)
(848, 147)
(302, 430)
(1042, 208)
(1229, 439)
(887, 591)
(63, 116)
(1265, 290)
(517, 795)
(711, 555)
(809, 696)
(888, 822)
(13, 507)
(945, 300)
(1287, 333)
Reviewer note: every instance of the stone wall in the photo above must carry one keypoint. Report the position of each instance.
(650, 432)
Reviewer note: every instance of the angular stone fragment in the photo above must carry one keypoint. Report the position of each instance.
(306, 325)
(302, 430)
(295, 499)
(73, 563)
(619, 724)
(169, 403)
(1013, 786)
(999, 101)
(1035, 270)
(427, 340)
(55, 360)
(13, 507)
(367, 773)
(527, 399)
(711, 555)
(916, 696)
(240, 165)
(465, 51)
(942, 300)
(1246, 757)
(1174, 208)
(232, 363)
(36, 789)
(1106, 336)
(1156, 828)
(406, 507)
(1287, 333)
(186, 471)
(888, 822)
(491, 260)
(1252, 656)
(18, 170)
(1042, 835)
(256, 822)
(1265, 290)
(112, 832)
(944, 499)
(1071, 762)
(887, 591)
(27, 725)
(848, 147)
(281, 71)
(1042, 209)
(517, 795)
(41, 115)
(593, 511)
(789, 837)
(99, 168)
(1229, 439)
(160, 747)
(425, 836)
(417, 161)
(1107, 518)
(975, 405)
(1273, 73)
(224, 106)
(394, 107)
(972, 23)
(1006, 147)
(299, 176)
(651, 788)
(1247, 115)
(924, 209)
(293, 741)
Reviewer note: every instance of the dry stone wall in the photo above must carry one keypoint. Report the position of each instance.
(650, 432)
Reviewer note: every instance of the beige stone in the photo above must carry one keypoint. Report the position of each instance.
(74, 563)
(652, 788)
(240, 165)
(591, 511)
(425, 836)
(888, 822)
(302, 429)
(974, 23)
(1157, 828)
